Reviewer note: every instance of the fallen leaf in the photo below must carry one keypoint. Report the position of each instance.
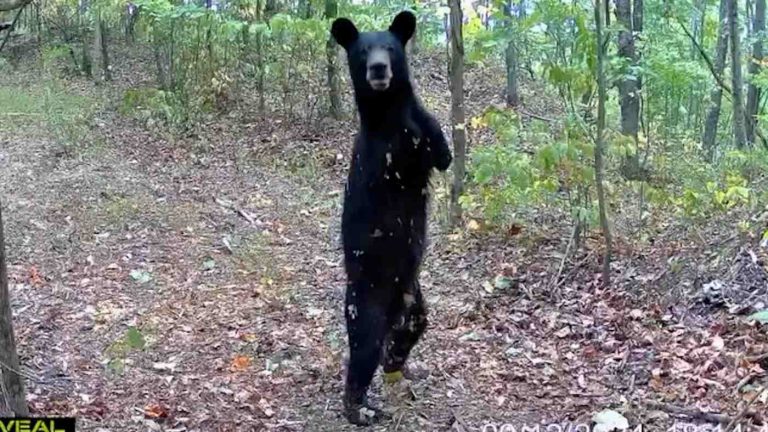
(718, 343)
(141, 276)
(609, 420)
(761, 317)
(164, 366)
(155, 411)
(240, 363)
(488, 287)
(34, 276)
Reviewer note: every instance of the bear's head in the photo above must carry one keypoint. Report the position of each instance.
(377, 60)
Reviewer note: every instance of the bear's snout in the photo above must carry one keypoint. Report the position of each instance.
(379, 68)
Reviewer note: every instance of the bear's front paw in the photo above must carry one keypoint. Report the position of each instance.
(440, 151)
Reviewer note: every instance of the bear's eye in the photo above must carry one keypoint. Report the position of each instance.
(390, 48)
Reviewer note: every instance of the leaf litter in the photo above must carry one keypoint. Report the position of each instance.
(225, 313)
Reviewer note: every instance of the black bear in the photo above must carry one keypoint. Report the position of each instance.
(385, 208)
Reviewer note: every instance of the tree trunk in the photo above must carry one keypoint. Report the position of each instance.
(716, 95)
(12, 394)
(753, 91)
(457, 109)
(86, 63)
(260, 55)
(629, 87)
(599, 144)
(697, 29)
(331, 50)
(511, 60)
(739, 126)
(101, 51)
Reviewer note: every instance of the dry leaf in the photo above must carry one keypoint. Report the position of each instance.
(240, 363)
(718, 343)
(155, 411)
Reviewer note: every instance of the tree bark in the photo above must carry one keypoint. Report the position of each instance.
(599, 144)
(331, 50)
(716, 95)
(697, 29)
(457, 109)
(753, 91)
(511, 60)
(12, 394)
(739, 120)
(86, 62)
(260, 53)
(629, 87)
(101, 50)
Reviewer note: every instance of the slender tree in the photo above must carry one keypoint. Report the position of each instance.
(511, 58)
(331, 50)
(629, 15)
(457, 108)
(600, 142)
(12, 394)
(739, 120)
(101, 49)
(716, 95)
(753, 91)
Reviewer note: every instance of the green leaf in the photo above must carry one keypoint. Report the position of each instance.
(502, 282)
(761, 316)
(209, 264)
(134, 338)
(141, 276)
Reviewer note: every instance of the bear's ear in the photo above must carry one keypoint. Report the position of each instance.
(403, 26)
(344, 32)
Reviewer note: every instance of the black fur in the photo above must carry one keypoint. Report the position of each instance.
(384, 220)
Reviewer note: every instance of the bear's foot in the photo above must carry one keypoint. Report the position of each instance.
(361, 414)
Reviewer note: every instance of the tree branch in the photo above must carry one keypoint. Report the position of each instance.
(9, 5)
(13, 24)
(705, 57)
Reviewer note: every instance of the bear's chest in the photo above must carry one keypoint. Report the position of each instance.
(396, 162)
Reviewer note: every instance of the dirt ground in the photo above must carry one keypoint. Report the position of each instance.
(196, 284)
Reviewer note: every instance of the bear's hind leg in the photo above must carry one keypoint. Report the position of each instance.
(366, 317)
(405, 332)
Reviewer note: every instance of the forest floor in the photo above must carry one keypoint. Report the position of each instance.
(197, 284)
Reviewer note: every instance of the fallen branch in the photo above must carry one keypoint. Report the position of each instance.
(236, 209)
(757, 358)
(744, 381)
(694, 414)
(459, 423)
(556, 281)
(536, 116)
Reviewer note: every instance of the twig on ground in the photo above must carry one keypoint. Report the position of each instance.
(556, 281)
(536, 116)
(688, 412)
(399, 419)
(236, 209)
(461, 426)
(757, 358)
(744, 381)
(743, 411)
